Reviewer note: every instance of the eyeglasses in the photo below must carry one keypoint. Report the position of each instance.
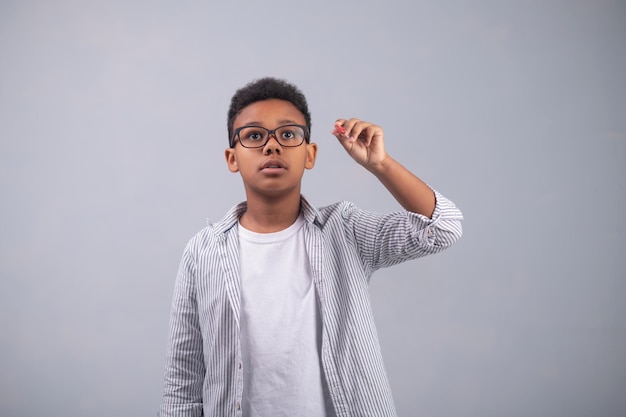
(257, 136)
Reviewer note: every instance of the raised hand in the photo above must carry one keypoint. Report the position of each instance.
(363, 141)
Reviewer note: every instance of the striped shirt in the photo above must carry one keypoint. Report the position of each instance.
(345, 245)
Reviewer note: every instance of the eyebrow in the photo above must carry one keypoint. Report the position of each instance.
(281, 122)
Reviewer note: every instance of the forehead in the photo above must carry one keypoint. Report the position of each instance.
(269, 113)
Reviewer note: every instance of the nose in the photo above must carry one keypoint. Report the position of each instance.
(272, 145)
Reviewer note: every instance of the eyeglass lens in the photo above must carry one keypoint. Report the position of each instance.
(257, 136)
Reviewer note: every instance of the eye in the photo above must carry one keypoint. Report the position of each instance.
(290, 133)
(287, 134)
(252, 134)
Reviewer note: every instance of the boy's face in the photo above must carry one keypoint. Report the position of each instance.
(271, 170)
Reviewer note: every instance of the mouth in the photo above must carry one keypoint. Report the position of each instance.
(273, 166)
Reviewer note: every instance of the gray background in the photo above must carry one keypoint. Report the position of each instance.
(112, 129)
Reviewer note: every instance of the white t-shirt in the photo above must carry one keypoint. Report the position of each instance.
(280, 328)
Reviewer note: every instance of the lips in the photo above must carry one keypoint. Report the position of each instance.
(273, 164)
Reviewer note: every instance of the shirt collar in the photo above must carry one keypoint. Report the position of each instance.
(310, 214)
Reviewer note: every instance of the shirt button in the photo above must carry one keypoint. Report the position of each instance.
(239, 365)
(238, 406)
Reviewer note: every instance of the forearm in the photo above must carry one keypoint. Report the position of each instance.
(411, 192)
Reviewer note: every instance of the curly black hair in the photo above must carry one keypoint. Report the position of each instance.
(265, 89)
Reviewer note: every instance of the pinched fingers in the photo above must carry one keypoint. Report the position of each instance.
(354, 129)
(339, 129)
(362, 140)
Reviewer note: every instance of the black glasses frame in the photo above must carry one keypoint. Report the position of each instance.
(270, 132)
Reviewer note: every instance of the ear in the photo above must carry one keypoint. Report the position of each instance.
(231, 160)
(311, 154)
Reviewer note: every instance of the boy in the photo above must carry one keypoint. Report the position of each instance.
(271, 314)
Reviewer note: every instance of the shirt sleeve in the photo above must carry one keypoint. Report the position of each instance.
(386, 240)
(184, 369)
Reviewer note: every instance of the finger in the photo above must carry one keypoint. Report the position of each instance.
(350, 125)
(372, 132)
(367, 135)
(345, 142)
(339, 129)
(358, 130)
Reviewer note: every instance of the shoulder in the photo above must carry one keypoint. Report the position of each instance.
(341, 209)
(344, 214)
(321, 215)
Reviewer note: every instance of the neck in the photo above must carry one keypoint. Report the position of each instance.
(270, 214)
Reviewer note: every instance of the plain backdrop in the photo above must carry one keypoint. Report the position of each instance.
(112, 138)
